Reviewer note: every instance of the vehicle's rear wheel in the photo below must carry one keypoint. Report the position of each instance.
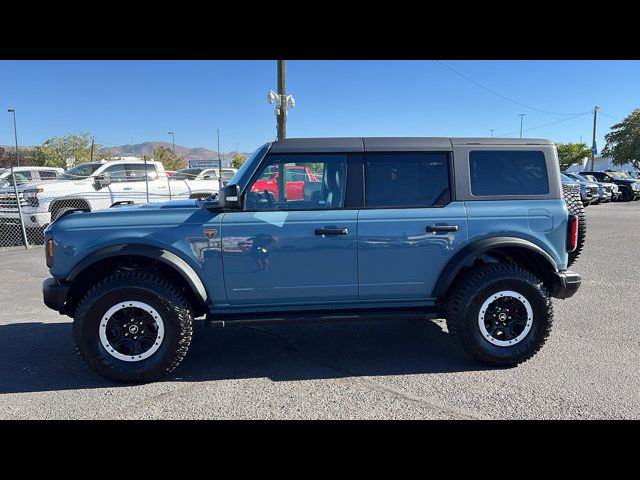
(501, 314)
(575, 207)
(627, 196)
(133, 326)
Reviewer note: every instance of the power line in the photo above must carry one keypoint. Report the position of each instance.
(493, 92)
(610, 116)
(545, 125)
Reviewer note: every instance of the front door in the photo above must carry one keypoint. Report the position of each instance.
(409, 228)
(288, 251)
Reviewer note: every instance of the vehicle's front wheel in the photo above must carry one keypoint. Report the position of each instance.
(501, 314)
(133, 326)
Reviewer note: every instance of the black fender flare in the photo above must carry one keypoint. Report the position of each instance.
(170, 259)
(468, 254)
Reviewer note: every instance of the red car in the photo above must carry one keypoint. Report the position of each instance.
(297, 177)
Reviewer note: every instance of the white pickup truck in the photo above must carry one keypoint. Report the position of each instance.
(96, 186)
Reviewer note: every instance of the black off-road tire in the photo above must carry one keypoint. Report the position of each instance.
(575, 207)
(138, 285)
(462, 308)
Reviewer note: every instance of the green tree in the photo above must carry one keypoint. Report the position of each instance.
(169, 160)
(570, 153)
(623, 141)
(238, 159)
(66, 151)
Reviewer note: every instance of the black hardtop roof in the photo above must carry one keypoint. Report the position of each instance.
(381, 144)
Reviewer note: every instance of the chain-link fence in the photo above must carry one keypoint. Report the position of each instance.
(33, 197)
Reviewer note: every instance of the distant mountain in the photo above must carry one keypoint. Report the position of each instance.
(146, 148)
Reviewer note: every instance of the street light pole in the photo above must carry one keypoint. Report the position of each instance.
(15, 133)
(219, 164)
(15, 182)
(491, 129)
(173, 141)
(521, 117)
(92, 141)
(593, 144)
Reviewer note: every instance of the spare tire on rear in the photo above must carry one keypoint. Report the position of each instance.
(571, 194)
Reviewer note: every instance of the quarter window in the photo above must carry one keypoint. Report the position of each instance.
(407, 179)
(508, 173)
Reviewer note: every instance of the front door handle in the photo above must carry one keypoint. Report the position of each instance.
(332, 231)
(128, 188)
(442, 228)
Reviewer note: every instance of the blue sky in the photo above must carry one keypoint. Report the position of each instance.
(115, 100)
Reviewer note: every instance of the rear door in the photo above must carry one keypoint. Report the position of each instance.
(409, 228)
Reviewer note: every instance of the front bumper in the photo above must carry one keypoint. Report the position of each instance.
(32, 217)
(54, 294)
(565, 284)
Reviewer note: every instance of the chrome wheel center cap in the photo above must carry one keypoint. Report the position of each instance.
(502, 317)
(133, 329)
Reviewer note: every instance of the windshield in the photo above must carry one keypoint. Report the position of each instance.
(245, 171)
(575, 176)
(187, 174)
(591, 178)
(7, 178)
(80, 171)
(567, 178)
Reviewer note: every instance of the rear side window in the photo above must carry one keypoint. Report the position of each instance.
(47, 174)
(407, 179)
(508, 173)
(136, 172)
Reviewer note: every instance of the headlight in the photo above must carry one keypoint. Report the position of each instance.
(31, 196)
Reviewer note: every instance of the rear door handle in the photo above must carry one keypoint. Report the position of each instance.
(128, 188)
(442, 228)
(332, 231)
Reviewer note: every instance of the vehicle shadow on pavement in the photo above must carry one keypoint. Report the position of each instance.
(41, 356)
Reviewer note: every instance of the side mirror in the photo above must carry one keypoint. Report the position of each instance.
(229, 197)
(103, 180)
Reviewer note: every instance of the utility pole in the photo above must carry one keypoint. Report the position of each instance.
(521, 117)
(491, 129)
(219, 164)
(92, 141)
(282, 107)
(15, 181)
(593, 145)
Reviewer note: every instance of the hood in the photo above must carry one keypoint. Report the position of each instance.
(123, 217)
(50, 185)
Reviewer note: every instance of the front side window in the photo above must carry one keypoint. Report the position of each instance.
(407, 179)
(299, 182)
(507, 172)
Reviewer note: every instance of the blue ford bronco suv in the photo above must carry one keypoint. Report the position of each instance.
(474, 230)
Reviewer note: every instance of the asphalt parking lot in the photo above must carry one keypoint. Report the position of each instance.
(589, 368)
